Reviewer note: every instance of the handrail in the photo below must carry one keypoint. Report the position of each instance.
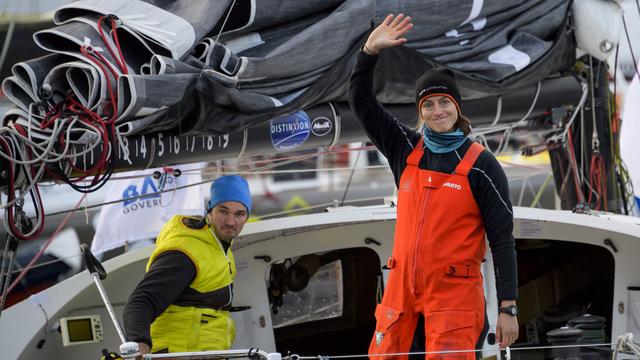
(251, 354)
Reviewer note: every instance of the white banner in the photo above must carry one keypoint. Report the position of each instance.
(132, 219)
(630, 129)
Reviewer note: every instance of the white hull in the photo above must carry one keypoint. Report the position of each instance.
(29, 328)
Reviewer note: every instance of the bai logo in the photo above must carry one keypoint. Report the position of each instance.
(145, 196)
(452, 186)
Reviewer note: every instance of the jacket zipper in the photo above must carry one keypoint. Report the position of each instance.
(226, 255)
(421, 214)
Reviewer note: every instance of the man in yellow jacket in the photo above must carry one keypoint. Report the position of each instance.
(182, 303)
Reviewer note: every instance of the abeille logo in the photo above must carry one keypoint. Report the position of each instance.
(452, 186)
(321, 126)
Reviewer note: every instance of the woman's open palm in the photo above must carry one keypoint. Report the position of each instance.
(389, 33)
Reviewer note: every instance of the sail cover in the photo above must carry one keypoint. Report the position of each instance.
(215, 67)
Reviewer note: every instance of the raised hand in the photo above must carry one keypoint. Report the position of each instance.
(388, 34)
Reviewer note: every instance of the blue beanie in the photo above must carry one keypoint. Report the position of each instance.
(230, 188)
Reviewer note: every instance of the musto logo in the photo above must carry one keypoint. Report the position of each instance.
(452, 185)
(290, 131)
(321, 126)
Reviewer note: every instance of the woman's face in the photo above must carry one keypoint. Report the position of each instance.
(439, 113)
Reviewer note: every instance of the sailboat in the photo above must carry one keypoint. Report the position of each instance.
(183, 88)
(570, 264)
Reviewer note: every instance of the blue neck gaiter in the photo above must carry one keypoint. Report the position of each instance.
(440, 143)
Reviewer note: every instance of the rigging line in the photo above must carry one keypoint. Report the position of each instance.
(353, 169)
(256, 171)
(178, 188)
(225, 20)
(7, 41)
(268, 161)
(538, 196)
(131, 198)
(633, 57)
(265, 172)
(266, 216)
(270, 172)
(582, 144)
(319, 206)
(593, 95)
(563, 136)
(46, 245)
(533, 105)
(50, 262)
(5, 275)
(512, 349)
(498, 111)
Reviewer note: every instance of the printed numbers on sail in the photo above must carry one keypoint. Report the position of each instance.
(143, 147)
(160, 145)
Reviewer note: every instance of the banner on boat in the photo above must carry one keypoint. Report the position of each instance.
(140, 208)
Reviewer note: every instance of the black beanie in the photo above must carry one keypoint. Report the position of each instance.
(438, 81)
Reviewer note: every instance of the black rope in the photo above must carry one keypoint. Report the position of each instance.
(346, 189)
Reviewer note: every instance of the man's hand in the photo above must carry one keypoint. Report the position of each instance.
(143, 348)
(388, 34)
(506, 330)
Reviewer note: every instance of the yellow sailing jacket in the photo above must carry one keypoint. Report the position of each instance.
(198, 319)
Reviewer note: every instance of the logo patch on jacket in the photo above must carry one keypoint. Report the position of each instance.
(379, 338)
(452, 186)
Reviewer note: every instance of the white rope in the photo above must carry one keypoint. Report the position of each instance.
(563, 136)
(625, 344)
(508, 350)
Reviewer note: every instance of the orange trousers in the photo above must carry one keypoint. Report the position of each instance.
(435, 268)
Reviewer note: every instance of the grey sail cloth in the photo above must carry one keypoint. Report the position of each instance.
(23, 88)
(274, 57)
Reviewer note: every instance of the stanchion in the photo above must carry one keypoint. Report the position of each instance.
(95, 268)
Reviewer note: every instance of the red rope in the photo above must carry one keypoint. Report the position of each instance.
(119, 58)
(46, 245)
(598, 181)
(574, 166)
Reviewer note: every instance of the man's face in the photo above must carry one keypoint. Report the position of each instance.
(227, 219)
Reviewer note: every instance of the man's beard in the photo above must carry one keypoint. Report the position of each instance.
(224, 237)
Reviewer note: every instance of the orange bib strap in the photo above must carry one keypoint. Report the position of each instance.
(469, 159)
(416, 154)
